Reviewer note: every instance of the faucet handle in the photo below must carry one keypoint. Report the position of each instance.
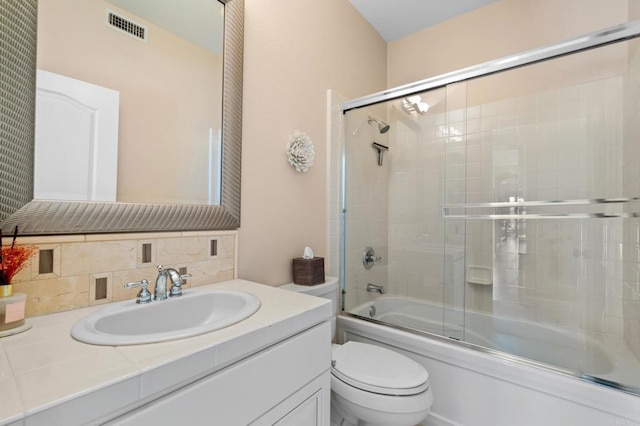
(369, 258)
(176, 282)
(183, 277)
(144, 296)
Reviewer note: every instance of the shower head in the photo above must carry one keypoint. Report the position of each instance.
(382, 126)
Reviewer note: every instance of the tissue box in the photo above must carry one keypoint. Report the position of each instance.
(308, 271)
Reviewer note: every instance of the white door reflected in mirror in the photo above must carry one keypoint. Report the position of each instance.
(76, 150)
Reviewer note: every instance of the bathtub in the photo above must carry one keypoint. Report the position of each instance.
(556, 347)
(549, 381)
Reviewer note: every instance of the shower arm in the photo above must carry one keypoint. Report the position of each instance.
(381, 150)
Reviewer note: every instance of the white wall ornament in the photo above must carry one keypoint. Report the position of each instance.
(300, 151)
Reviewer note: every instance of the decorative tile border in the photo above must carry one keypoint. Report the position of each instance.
(82, 260)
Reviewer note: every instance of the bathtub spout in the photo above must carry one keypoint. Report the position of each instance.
(372, 288)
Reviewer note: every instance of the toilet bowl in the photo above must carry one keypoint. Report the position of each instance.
(371, 385)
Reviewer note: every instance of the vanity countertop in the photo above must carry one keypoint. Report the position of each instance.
(47, 377)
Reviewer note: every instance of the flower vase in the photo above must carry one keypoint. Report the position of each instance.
(12, 313)
(6, 290)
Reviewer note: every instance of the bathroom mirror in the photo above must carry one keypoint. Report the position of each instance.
(39, 217)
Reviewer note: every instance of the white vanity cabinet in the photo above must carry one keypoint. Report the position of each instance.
(286, 384)
(272, 368)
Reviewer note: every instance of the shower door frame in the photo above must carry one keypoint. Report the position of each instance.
(611, 35)
(589, 41)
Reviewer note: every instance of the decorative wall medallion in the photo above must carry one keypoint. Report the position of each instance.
(300, 151)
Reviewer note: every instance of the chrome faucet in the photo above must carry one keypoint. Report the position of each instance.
(372, 288)
(160, 292)
(169, 274)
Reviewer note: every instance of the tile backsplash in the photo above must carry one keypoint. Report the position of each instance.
(88, 270)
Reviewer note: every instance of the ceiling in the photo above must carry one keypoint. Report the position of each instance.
(394, 19)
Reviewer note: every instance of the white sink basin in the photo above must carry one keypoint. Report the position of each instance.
(195, 312)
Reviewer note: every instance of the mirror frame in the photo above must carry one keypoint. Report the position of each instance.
(42, 217)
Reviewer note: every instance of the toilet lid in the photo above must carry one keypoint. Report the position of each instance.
(375, 369)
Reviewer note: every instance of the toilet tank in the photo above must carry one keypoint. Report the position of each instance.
(327, 290)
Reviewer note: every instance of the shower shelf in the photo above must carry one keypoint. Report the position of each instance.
(516, 209)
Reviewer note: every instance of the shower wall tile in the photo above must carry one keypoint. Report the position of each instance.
(559, 144)
(368, 204)
(416, 244)
(631, 290)
(631, 331)
(569, 102)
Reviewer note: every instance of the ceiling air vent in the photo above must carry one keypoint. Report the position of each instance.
(121, 23)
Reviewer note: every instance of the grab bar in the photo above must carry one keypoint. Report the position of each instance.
(523, 216)
(543, 203)
(447, 209)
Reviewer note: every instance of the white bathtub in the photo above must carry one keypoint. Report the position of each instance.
(556, 347)
(475, 387)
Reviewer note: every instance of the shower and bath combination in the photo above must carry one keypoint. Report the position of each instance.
(496, 277)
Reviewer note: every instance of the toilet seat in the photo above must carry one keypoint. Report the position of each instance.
(379, 370)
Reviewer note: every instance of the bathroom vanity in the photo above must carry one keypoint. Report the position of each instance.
(272, 368)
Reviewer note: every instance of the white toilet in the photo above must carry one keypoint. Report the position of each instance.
(371, 385)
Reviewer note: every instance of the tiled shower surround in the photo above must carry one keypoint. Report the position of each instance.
(555, 271)
(498, 140)
(92, 269)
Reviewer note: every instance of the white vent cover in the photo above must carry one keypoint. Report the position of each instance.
(121, 23)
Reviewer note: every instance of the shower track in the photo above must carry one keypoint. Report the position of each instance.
(589, 41)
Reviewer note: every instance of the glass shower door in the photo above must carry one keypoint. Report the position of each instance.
(548, 212)
(504, 213)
